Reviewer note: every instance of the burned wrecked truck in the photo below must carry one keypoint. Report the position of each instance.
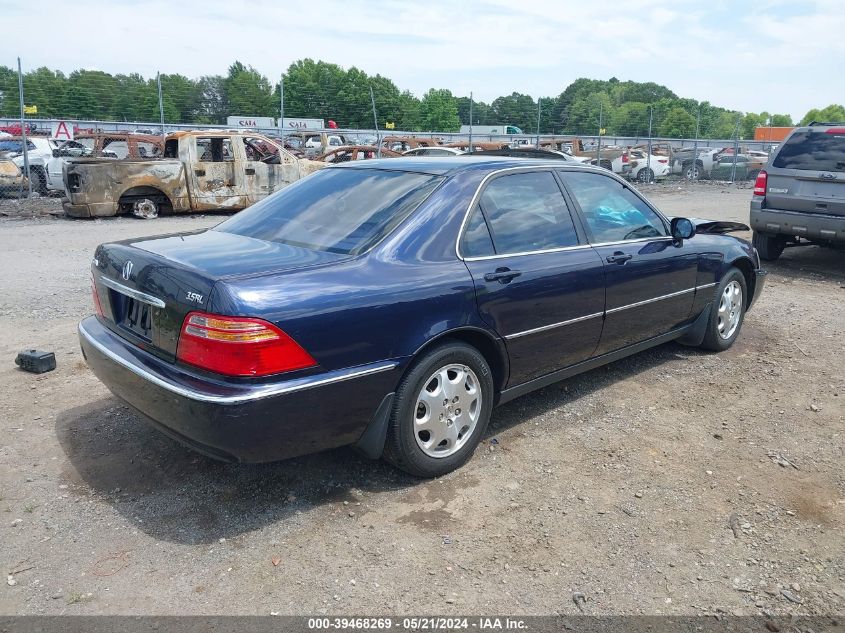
(200, 171)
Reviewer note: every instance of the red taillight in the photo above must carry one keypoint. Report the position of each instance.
(98, 307)
(624, 158)
(238, 346)
(835, 130)
(663, 160)
(760, 183)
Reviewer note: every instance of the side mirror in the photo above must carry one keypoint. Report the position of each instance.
(682, 228)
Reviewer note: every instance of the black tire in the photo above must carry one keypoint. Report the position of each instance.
(693, 172)
(719, 336)
(39, 180)
(770, 247)
(645, 175)
(401, 448)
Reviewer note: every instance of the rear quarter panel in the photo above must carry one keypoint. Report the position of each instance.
(386, 304)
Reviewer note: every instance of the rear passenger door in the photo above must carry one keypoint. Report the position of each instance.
(650, 278)
(537, 283)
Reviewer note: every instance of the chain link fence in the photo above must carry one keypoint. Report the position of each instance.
(48, 118)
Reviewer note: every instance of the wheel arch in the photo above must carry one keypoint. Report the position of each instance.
(144, 191)
(746, 267)
(491, 347)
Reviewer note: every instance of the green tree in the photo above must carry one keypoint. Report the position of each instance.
(678, 123)
(629, 119)
(515, 109)
(586, 112)
(439, 111)
(248, 92)
(834, 112)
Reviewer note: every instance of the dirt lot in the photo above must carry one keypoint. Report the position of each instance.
(672, 482)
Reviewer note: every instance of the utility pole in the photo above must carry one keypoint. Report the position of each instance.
(470, 122)
(160, 103)
(23, 136)
(538, 121)
(375, 120)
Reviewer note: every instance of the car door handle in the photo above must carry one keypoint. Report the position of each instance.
(619, 257)
(502, 275)
(249, 171)
(199, 172)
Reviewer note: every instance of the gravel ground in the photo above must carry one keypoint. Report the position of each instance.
(674, 481)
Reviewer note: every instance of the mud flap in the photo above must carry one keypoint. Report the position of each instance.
(371, 442)
(694, 336)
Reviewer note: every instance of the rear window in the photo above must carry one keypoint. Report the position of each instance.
(812, 150)
(342, 211)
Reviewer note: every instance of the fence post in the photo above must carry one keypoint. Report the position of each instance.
(160, 104)
(598, 147)
(375, 120)
(539, 99)
(694, 167)
(470, 122)
(736, 147)
(648, 158)
(23, 137)
(282, 106)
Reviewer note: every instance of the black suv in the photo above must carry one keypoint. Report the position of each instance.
(799, 197)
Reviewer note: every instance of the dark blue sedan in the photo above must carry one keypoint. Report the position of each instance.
(391, 304)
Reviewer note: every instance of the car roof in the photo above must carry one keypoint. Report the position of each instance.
(448, 165)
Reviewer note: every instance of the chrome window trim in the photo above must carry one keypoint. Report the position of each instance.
(474, 199)
(657, 238)
(551, 168)
(553, 325)
(131, 292)
(258, 392)
(548, 250)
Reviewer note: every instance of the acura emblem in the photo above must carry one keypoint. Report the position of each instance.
(127, 269)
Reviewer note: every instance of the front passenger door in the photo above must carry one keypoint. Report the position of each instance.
(650, 278)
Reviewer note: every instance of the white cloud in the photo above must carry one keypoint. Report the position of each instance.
(773, 54)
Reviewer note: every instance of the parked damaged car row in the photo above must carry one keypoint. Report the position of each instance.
(106, 174)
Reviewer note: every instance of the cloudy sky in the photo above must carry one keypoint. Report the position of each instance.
(775, 55)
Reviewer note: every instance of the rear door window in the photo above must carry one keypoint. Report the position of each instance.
(815, 150)
(527, 212)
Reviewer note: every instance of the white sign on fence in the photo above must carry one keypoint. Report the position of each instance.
(251, 122)
(302, 124)
(61, 131)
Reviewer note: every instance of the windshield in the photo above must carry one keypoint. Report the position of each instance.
(821, 151)
(336, 210)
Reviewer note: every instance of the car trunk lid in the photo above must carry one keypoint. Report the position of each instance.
(147, 287)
